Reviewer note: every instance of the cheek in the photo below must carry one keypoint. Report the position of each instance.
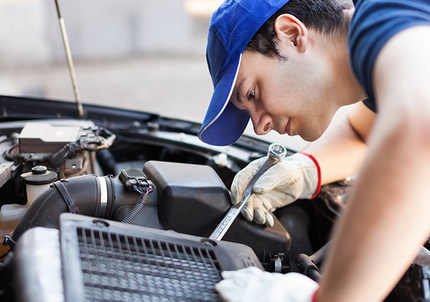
(289, 93)
(274, 103)
(276, 99)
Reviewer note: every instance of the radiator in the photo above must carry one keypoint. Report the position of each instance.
(99, 260)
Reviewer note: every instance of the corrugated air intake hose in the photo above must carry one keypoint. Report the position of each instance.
(88, 195)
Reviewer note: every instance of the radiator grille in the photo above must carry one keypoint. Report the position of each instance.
(119, 267)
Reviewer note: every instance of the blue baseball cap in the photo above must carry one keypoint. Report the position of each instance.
(232, 26)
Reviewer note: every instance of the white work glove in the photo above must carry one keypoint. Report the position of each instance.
(253, 285)
(297, 176)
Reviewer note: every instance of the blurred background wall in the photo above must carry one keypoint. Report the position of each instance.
(102, 29)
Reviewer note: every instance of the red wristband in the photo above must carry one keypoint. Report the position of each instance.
(314, 297)
(318, 171)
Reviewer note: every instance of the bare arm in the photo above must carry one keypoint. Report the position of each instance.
(387, 215)
(340, 151)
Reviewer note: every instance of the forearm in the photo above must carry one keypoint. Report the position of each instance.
(386, 219)
(340, 151)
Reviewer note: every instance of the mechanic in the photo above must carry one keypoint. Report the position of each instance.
(289, 66)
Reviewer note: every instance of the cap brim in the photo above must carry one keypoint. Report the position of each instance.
(224, 123)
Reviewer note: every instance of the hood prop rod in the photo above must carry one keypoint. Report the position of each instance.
(70, 61)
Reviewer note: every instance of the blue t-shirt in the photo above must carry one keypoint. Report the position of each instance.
(373, 24)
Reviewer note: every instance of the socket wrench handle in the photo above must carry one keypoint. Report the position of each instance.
(276, 152)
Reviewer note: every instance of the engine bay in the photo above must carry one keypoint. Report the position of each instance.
(70, 176)
(146, 171)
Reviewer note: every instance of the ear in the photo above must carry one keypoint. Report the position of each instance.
(291, 31)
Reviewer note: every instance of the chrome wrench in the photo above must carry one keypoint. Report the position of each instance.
(275, 153)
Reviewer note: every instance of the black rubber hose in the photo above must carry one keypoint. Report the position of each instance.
(86, 192)
(107, 162)
(68, 151)
(308, 267)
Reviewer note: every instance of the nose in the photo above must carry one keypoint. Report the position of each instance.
(262, 124)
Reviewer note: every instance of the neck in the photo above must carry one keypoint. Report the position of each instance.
(337, 49)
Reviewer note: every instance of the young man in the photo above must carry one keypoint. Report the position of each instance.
(289, 66)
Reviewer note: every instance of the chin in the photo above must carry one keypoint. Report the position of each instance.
(311, 136)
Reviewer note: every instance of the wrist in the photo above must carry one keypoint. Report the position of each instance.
(314, 297)
(317, 166)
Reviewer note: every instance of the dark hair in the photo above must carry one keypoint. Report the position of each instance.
(325, 16)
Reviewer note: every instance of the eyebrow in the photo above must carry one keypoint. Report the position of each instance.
(239, 89)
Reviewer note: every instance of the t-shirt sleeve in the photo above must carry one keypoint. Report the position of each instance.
(373, 24)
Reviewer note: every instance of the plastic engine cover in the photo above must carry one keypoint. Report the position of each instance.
(192, 199)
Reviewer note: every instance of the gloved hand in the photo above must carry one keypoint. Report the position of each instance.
(253, 285)
(297, 176)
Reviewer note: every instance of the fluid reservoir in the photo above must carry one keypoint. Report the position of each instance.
(37, 181)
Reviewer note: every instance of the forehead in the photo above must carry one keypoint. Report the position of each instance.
(246, 69)
(236, 97)
(252, 66)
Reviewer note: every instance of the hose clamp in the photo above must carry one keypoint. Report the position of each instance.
(103, 197)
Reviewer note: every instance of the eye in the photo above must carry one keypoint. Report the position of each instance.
(251, 94)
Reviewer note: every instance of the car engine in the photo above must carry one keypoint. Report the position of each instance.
(85, 202)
